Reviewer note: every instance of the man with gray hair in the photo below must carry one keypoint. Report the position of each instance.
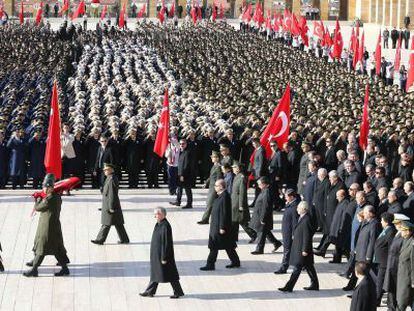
(163, 267)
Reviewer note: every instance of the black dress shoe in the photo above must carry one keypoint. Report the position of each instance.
(334, 261)
(256, 252)
(311, 288)
(319, 253)
(97, 242)
(280, 271)
(276, 245)
(31, 273)
(207, 268)
(176, 296)
(99, 209)
(285, 289)
(146, 294)
(233, 265)
(63, 272)
(349, 296)
(348, 288)
(187, 206)
(203, 222)
(175, 203)
(123, 242)
(29, 263)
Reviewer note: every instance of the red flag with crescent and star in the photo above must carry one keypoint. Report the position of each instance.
(162, 139)
(278, 127)
(21, 13)
(39, 14)
(410, 75)
(53, 160)
(142, 11)
(378, 55)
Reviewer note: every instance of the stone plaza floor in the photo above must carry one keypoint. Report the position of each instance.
(109, 277)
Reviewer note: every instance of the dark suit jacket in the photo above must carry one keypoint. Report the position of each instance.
(382, 245)
(364, 296)
(289, 221)
(184, 164)
(408, 206)
(262, 212)
(365, 245)
(103, 156)
(259, 164)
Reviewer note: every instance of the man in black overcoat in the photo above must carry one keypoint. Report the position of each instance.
(259, 165)
(382, 245)
(163, 267)
(329, 211)
(221, 235)
(338, 232)
(289, 221)
(184, 176)
(301, 256)
(262, 217)
(363, 298)
(319, 196)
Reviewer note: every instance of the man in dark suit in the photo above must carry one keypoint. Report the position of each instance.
(301, 255)
(289, 221)
(221, 234)
(163, 267)
(382, 245)
(363, 298)
(276, 169)
(104, 155)
(184, 176)
(365, 245)
(393, 205)
(262, 218)
(394, 37)
(259, 167)
(111, 212)
(331, 161)
(408, 205)
(351, 174)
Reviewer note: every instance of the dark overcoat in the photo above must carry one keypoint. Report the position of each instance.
(162, 249)
(330, 205)
(302, 242)
(185, 167)
(48, 238)
(289, 221)
(390, 280)
(319, 198)
(37, 154)
(382, 245)
(405, 275)
(111, 213)
(16, 159)
(262, 212)
(336, 224)
(215, 174)
(221, 219)
(364, 249)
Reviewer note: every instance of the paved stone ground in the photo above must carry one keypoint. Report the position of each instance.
(110, 277)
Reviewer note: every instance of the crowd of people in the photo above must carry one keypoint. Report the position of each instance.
(223, 86)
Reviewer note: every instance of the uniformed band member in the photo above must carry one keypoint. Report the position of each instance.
(221, 234)
(48, 239)
(163, 267)
(111, 212)
(405, 277)
(301, 256)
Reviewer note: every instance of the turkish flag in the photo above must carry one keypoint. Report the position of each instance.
(352, 41)
(247, 15)
(214, 13)
(103, 14)
(278, 127)
(193, 13)
(319, 30)
(59, 187)
(172, 10)
(356, 53)
(79, 11)
(295, 30)
(378, 55)
(287, 20)
(1, 12)
(162, 139)
(65, 7)
(364, 130)
(39, 14)
(21, 14)
(121, 22)
(397, 60)
(410, 75)
(327, 40)
(142, 11)
(221, 12)
(338, 43)
(53, 160)
(161, 15)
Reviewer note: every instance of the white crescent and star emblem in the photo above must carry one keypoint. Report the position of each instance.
(283, 117)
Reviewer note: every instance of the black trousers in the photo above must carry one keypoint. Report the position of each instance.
(120, 229)
(262, 236)
(287, 244)
(152, 288)
(188, 194)
(250, 232)
(380, 272)
(310, 269)
(231, 252)
(62, 259)
(324, 243)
